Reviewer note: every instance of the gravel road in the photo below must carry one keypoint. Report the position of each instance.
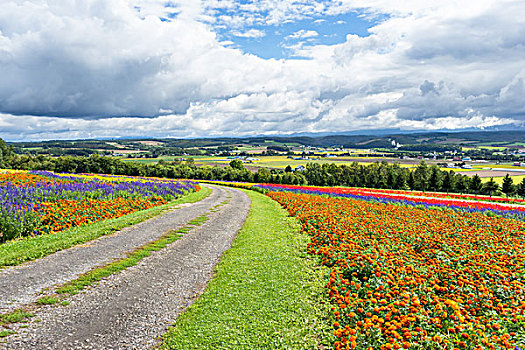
(132, 309)
(20, 285)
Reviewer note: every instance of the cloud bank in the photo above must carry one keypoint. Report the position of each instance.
(98, 68)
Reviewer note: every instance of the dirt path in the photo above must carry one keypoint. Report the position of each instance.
(19, 285)
(131, 309)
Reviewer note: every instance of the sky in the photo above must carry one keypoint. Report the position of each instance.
(73, 69)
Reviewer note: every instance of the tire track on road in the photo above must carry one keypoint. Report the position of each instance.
(21, 285)
(131, 310)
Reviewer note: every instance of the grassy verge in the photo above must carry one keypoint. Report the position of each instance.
(32, 248)
(266, 293)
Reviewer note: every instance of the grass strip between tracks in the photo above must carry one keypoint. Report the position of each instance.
(266, 292)
(97, 274)
(16, 252)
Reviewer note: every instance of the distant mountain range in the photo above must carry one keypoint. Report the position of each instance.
(352, 139)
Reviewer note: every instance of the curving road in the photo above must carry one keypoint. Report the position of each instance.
(132, 309)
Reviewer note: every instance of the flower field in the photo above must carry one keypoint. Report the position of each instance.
(416, 278)
(453, 196)
(33, 203)
(507, 207)
(510, 209)
(411, 270)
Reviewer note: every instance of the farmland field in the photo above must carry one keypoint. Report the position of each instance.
(499, 179)
(279, 161)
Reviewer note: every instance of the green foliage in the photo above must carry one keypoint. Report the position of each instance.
(436, 179)
(431, 147)
(421, 177)
(237, 164)
(263, 175)
(507, 186)
(520, 189)
(448, 182)
(462, 183)
(15, 225)
(475, 184)
(490, 187)
(315, 174)
(5, 153)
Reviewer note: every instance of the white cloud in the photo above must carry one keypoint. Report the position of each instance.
(267, 12)
(303, 34)
(97, 58)
(98, 68)
(227, 43)
(252, 33)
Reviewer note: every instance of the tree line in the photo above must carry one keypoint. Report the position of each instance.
(393, 176)
(376, 175)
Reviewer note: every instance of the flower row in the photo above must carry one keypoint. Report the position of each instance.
(504, 209)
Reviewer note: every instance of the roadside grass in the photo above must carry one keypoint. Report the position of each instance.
(217, 207)
(266, 292)
(31, 248)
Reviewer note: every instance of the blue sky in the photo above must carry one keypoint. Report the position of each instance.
(278, 39)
